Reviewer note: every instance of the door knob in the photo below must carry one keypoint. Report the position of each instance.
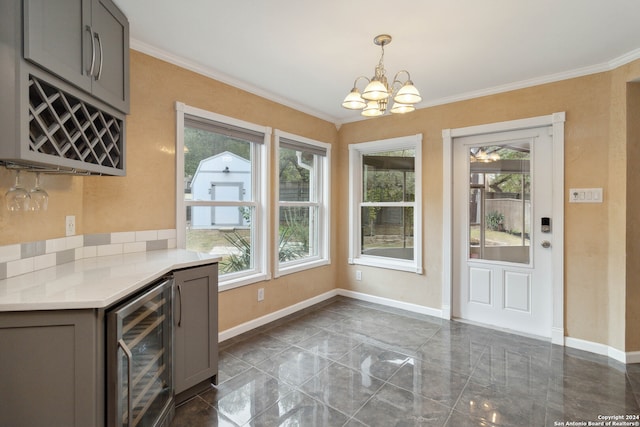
(546, 244)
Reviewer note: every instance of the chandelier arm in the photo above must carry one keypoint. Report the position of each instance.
(396, 80)
(355, 83)
(395, 87)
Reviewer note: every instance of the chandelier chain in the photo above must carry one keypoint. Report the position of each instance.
(380, 71)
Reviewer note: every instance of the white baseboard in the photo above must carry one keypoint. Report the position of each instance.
(633, 356)
(604, 350)
(391, 303)
(557, 334)
(446, 312)
(255, 323)
(616, 354)
(592, 347)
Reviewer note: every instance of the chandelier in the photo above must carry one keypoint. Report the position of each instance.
(482, 155)
(376, 95)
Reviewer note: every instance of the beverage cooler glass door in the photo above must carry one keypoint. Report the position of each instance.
(140, 350)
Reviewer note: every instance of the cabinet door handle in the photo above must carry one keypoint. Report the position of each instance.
(101, 56)
(180, 305)
(93, 51)
(127, 353)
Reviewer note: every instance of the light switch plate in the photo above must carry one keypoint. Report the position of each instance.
(585, 195)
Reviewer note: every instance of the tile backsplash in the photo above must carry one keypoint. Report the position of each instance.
(24, 258)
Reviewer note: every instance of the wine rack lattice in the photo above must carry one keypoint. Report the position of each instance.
(61, 125)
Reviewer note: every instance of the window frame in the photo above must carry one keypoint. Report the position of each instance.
(260, 200)
(356, 153)
(322, 190)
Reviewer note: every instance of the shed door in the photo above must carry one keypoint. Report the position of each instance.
(227, 215)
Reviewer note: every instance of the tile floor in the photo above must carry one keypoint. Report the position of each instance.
(350, 363)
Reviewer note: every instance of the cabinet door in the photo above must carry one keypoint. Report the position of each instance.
(49, 369)
(111, 37)
(196, 326)
(56, 37)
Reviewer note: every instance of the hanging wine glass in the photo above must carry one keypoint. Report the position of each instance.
(17, 198)
(39, 197)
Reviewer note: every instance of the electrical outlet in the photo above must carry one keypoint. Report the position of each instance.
(358, 275)
(70, 225)
(260, 294)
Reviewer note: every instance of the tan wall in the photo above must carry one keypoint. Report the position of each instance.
(65, 198)
(589, 162)
(631, 297)
(601, 277)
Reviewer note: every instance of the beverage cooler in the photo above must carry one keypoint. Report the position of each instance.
(139, 359)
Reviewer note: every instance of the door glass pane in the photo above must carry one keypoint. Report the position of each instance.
(500, 202)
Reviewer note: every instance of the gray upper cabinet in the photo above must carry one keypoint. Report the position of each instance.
(195, 329)
(64, 85)
(85, 42)
(111, 32)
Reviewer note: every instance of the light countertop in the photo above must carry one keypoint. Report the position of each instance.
(94, 282)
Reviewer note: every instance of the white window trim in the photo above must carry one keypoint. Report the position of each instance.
(324, 213)
(356, 151)
(261, 182)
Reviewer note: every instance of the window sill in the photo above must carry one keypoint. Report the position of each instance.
(388, 264)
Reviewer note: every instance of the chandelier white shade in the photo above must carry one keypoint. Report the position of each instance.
(354, 101)
(378, 92)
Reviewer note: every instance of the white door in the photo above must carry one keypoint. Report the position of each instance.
(502, 259)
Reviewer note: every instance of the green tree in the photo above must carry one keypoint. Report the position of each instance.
(291, 170)
(387, 177)
(509, 182)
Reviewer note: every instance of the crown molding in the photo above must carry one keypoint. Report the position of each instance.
(537, 81)
(224, 78)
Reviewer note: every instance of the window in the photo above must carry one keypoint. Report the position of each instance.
(302, 216)
(385, 203)
(222, 192)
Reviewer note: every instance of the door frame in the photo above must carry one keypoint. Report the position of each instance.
(556, 121)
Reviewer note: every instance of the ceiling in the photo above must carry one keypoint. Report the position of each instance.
(307, 54)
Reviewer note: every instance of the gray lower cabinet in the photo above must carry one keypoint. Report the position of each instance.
(195, 329)
(52, 363)
(50, 369)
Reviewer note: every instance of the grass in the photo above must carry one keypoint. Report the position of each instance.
(496, 238)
